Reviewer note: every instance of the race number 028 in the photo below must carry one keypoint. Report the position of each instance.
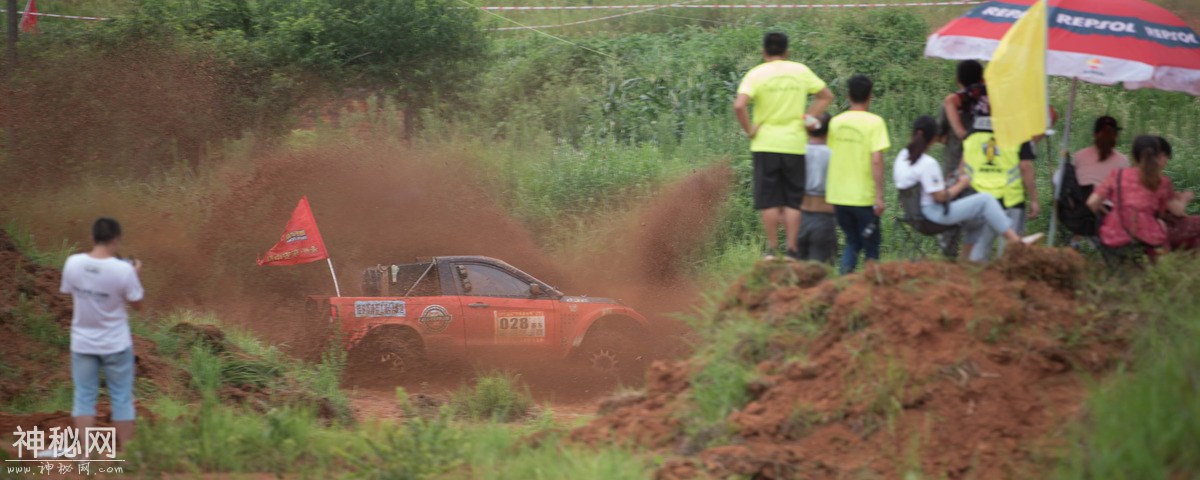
(507, 323)
(521, 324)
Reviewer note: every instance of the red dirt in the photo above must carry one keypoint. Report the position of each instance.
(22, 278)
(931, 366)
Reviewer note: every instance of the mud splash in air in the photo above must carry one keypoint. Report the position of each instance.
(200, 226)
(381, 203)
(376, 205)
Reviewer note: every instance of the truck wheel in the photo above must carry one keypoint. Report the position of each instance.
(393, 351)
(614, 353)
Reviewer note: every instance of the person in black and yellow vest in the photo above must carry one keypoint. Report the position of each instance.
(1007, 175)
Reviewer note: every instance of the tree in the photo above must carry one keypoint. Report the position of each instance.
(414, 50)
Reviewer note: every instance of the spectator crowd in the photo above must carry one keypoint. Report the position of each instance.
(818, 173)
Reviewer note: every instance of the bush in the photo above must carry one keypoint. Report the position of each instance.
(497, 396)
(425, 447)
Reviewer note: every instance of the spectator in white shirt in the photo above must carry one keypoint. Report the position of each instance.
(938, 203)
(101, 283)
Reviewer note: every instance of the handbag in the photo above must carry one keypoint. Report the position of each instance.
(1135, 243)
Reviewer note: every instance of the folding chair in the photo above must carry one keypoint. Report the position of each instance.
(917, 234)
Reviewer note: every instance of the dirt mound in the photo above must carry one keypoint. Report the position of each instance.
(938, 368)
(1057, 268)
(28, 293)
(35, 321)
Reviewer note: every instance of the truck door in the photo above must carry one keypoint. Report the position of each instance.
(501, 311)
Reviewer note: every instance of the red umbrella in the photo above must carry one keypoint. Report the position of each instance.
(1098, 41)
(1132, 42)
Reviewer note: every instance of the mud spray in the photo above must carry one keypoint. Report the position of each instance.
(86, 152)
(386, 205)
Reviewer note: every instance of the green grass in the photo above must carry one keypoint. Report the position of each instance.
(57, 398)
(550, 461)
(215, 438)
(496, 396)
(1144, 422)
(258, 366)
(210, 437)
(425, 447)
(195, 432)
(27, 245)
(36, 322)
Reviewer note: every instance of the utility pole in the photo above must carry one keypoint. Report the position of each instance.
(13, 25)
(10, 65)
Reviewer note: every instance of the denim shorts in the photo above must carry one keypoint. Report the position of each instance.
(118, 378)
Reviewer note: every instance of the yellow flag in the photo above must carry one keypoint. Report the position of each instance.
(1016, 80)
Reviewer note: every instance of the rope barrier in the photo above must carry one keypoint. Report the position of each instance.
(731, 6)
(638, 9)
(590, 20)
(688, 5)
(55, 15)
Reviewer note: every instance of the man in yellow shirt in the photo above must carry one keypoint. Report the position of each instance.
(854, 184)
(779, 90)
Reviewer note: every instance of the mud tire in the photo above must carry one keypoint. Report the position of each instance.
(615, 353)
(394, 354)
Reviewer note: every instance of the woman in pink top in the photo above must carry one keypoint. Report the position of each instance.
(1096, 163)
(1138, 199)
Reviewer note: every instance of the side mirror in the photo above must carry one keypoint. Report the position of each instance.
(536, 290)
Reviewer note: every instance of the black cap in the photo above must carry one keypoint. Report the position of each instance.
(1105, 121)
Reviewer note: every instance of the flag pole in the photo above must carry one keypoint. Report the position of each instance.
(336, 288)
(24, 15)
(1054, 191)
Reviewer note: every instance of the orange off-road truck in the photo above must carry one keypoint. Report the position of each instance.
(457, 308)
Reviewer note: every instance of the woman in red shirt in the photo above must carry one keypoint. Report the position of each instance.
(1138, 199)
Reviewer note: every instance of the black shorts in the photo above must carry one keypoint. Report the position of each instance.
(778, 180)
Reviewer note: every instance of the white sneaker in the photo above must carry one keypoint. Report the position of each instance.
(1032, 239)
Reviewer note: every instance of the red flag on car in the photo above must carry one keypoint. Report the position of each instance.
(301, 241)
(29, 18)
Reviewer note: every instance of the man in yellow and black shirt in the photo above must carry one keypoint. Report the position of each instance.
(779, 91)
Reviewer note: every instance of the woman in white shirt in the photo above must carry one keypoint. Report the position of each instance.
(913, 166)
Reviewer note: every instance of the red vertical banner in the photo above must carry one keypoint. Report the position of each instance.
(301, 241)
(29, 19)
